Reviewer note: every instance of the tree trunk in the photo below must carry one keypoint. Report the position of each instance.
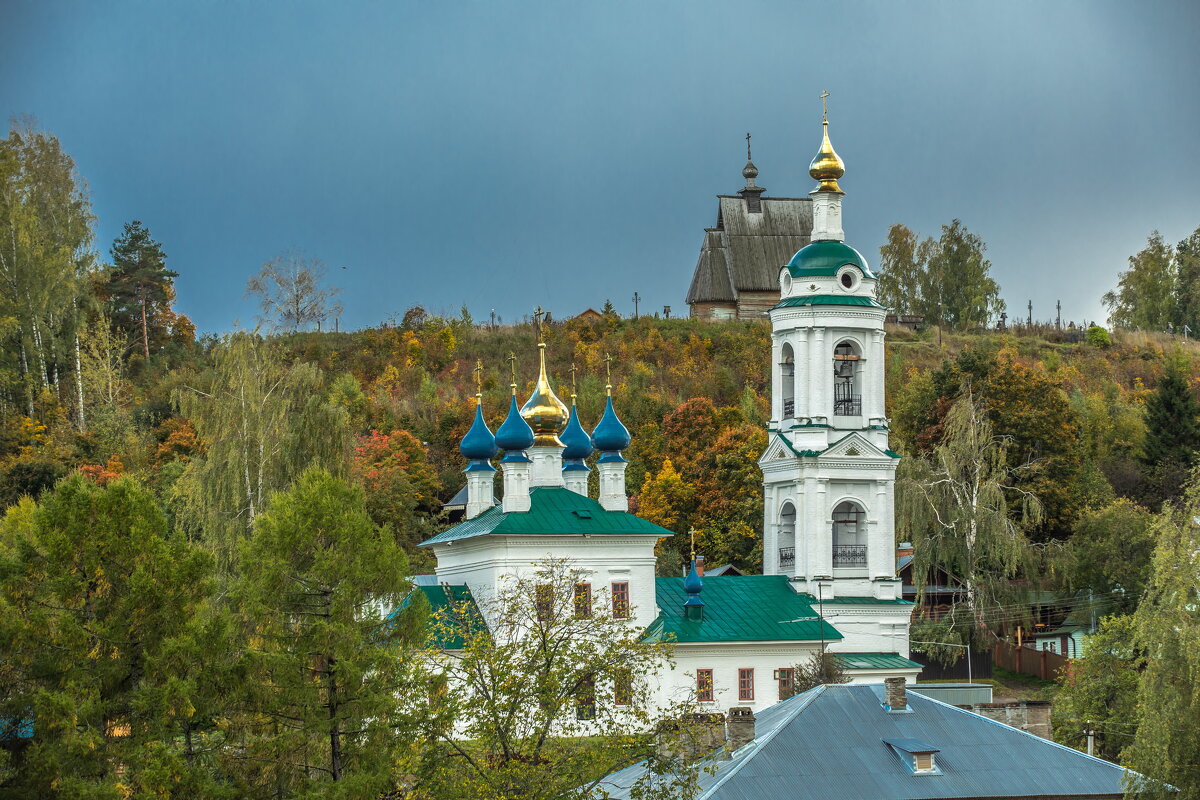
(79, 385)
(145, 330)
(335, 733)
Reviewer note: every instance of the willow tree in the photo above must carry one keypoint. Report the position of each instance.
(961, 509)
(1166, 749)
(263, 421)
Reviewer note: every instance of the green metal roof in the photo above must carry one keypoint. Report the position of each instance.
(739, 608)
(875, 661)
(858, 601)
(827, 300)
(440, 599)
(553, 511)
(824, 258)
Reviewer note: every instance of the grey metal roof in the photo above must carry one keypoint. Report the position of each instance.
(830, 742)
(745, 252)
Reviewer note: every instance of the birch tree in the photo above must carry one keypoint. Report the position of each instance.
(263, 422)
(45, 253)
(291, 291)
(954, 506)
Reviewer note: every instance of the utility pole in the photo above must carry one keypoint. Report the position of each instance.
(636, 298)
(1030, 307)
(493, 319)
(1058, 314)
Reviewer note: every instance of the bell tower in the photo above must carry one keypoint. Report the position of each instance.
(828, 473)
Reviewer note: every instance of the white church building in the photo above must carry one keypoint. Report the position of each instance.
(828, 476)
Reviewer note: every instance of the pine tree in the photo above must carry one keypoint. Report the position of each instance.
(1172, 419)
(328, 666)
(95, 597)
(139, 285)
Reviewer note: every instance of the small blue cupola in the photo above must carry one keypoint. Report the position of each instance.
(479, 444)
(575, 438)
(693, 584)
(610, 435)
(514, 436)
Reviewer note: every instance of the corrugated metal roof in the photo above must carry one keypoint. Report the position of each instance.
(875, 661)
(829, 742)
(553, 510)
(746, 250)
(739, 608)
(444, 599)
(858, 601)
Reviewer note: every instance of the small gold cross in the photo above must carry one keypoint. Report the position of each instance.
(824, 106)
(478, 377)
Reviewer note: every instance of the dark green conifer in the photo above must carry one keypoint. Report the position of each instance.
(140, 282)
(1172, 419)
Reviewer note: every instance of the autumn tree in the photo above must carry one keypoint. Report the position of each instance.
(262, 422)
(820, 669)
(954, 506)
(96, 601)
(292, 293)
(548, 696)
(1187, 281)
(139, 287)
(327, 706)
(398, 480)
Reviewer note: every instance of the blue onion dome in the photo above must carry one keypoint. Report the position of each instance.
(576, 439)
(515, 433)
(693, 584)
(479, 444)
(610, 435)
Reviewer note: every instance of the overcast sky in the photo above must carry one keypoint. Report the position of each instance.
(505, 155)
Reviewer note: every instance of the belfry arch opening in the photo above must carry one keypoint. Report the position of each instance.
(787, 381)
(787, 536)
(849, 535)
(847, 379)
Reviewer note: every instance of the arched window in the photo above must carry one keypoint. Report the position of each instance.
(787, 536)
(847, 372)
(849, 535)
(787, 381)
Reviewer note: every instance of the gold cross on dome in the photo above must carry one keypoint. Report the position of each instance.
(608, 359)
(824, 106)
(692, 535)
(512, 365)
(572, 371)
(538, 315)
(478, 377)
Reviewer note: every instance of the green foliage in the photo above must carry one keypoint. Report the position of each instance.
(902, 263)
(97, 604)
(1109, 555)
(1172, 419)
(46, 235)
(1146, 294)
(263, 423)
(1167, 629)
(943, 640)
(533, 712)
(957, 290)
(331, 682)
(139, 288)
(1097, 337)
(954, 507)
(1100, 691)
(821, 668)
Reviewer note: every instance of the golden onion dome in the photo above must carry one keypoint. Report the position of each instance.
(544, 412)
(827, 166)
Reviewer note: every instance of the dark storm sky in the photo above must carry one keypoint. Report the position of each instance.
(504, 155)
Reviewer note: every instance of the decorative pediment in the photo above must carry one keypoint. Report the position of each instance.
(777, 450)
(854, 445)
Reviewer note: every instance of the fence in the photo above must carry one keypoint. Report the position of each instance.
(1027, 661)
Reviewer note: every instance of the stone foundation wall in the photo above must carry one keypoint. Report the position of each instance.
(1032, 716)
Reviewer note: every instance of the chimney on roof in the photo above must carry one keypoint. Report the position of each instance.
(740, 726)
(700, 566)
(895, 694)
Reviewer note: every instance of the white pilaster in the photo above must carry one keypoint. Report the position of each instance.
(516, 485)
(612, 484)
(827, 217)
(576, 480)
(547, 466)
(481, 482)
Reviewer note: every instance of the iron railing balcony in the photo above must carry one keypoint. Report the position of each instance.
(849, 555)
(789, 409)
(787, 556)
(850, 407)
